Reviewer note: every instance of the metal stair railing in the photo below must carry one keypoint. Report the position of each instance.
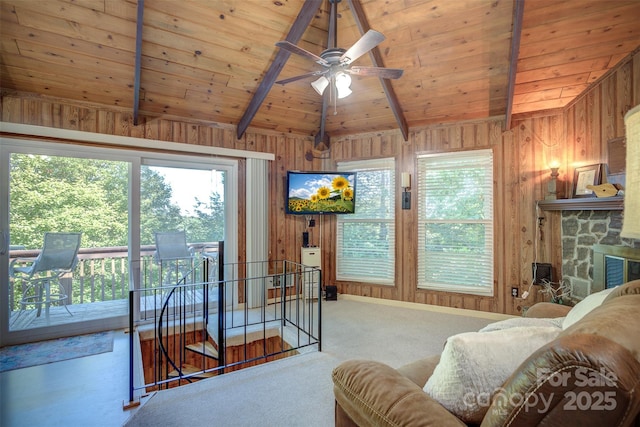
(163, 349)
(187, 315)
(178, 368)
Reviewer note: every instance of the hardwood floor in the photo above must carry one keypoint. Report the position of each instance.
(87, 391)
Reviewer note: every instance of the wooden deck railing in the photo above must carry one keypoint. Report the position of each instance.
(102, 274)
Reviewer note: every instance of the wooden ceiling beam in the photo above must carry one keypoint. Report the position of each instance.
(376, 59)
(513, 64)
(298, 28)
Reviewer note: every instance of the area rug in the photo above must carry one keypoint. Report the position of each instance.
(43, 352)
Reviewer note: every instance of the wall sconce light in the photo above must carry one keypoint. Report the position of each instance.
(552, 185)
(406, 195)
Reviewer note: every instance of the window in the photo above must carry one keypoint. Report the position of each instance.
(455, 222)
(365, 247)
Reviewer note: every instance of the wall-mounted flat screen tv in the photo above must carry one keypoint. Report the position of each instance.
(310, 193)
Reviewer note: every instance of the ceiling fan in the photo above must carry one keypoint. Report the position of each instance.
(336, 62)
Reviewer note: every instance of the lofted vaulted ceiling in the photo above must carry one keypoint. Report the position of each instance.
(207, 60)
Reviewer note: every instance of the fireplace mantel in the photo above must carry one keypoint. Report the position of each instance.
(615, 203)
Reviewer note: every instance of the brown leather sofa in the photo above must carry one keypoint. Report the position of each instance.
(606, 340)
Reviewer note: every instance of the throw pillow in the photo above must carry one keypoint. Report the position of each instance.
(474, 365)
(585, 306)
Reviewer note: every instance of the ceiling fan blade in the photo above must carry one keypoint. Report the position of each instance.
(300, 77)
(383, 73)
(288, 46)
(371, 39)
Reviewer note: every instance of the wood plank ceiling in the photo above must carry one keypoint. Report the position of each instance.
(204, 60)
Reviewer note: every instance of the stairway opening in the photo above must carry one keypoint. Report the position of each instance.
(196, 354)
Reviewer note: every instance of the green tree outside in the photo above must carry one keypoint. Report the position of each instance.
(51, 193)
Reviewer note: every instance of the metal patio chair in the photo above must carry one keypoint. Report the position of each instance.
(173, 255)
(59, 256)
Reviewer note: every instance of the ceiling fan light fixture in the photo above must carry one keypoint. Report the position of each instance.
(320, 85)
(344, 92)
(343, 81)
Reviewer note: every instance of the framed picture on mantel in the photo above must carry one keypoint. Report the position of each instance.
(583, 176)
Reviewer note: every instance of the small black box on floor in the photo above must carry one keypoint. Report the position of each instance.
(331, 293)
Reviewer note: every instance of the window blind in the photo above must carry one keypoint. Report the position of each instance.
(455, 222)
(365, 245)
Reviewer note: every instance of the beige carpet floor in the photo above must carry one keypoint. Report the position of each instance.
(297, 391)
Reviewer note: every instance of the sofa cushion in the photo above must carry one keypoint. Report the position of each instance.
(585, 306)
(629, 288)
(468, 373)
(371, 393)
(420, 370)
(546, 310)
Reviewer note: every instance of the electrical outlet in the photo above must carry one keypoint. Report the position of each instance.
(514, 292)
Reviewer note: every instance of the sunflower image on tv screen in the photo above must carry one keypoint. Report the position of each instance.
(322, 193)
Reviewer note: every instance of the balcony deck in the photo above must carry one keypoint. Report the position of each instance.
(28, 319)
(98, 288)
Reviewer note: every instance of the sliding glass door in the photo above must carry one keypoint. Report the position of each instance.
(115, 202)
(182, 219)
(66, 238)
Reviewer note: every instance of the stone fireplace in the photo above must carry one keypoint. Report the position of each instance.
(581, 231)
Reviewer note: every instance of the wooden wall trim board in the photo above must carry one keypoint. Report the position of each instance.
(142, 119)
(124, 141)
(520, 155)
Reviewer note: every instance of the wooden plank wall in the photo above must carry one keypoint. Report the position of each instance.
(458, 136)
(577, 135)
